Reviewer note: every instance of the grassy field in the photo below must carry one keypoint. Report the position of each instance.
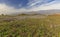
(30, 26)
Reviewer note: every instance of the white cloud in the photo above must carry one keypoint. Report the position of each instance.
(32, 3)
(5, 9)
(47, 7)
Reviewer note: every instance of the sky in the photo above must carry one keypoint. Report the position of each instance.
(19, 6)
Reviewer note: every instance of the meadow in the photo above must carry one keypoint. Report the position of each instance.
(30, 26)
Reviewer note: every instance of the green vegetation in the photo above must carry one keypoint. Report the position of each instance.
(29, 27)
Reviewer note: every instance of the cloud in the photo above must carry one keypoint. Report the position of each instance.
(38, 2)
(48, 6)
(6, 9)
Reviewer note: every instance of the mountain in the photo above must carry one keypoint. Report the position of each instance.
(54, 11)
(46, 12)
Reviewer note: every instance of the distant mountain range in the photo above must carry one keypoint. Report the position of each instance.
(54, 11)
(47, 12)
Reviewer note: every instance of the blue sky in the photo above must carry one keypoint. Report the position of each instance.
(11, 6)
(15, 3)
(24, 3)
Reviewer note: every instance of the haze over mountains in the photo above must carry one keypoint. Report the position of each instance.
(27, 6)
(45, 12)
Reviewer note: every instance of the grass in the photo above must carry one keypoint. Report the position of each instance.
(30, 27)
